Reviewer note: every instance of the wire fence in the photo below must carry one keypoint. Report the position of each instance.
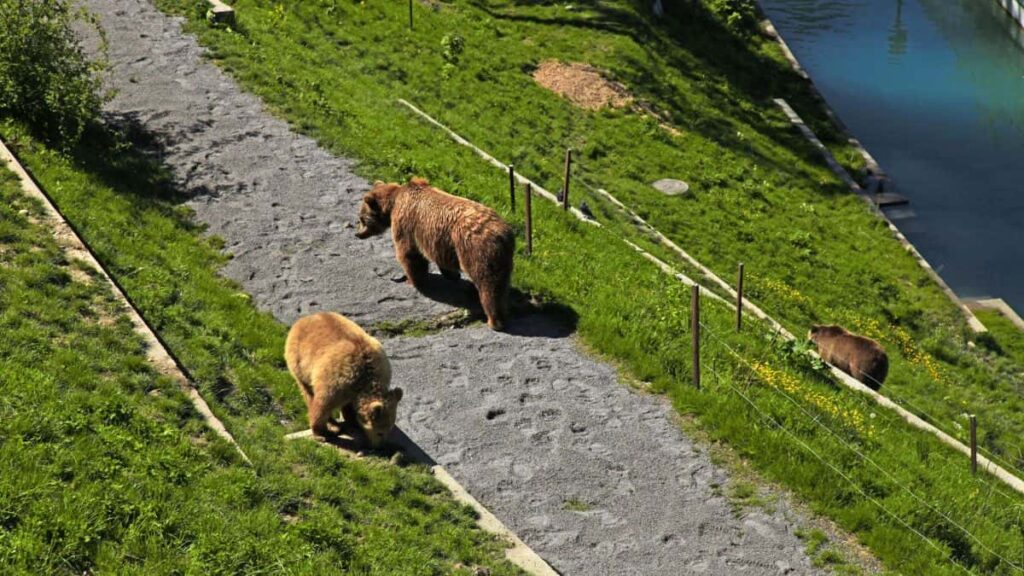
(818, 422)
(990, 489)
(941, 424)
(815, 421)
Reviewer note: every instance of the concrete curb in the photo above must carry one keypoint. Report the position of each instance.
(220, 13)
(999, 305)
(972, 322)
(517, 553)
(75, 248)
(1015, 9)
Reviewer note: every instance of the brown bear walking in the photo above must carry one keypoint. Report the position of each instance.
(858, 356)
(454, 233)
(338, 366)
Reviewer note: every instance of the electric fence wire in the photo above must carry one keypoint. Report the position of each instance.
(592, 194)
(772, 421)
(860, 454)
(931, 418)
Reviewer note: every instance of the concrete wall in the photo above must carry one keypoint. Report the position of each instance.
(1015, 8)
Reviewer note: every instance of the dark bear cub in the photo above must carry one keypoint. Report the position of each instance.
(429, 225)
(858, 356)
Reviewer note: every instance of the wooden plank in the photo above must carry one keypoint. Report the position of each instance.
(220, 13)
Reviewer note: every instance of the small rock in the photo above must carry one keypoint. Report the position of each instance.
(398, 459)
(671, 187)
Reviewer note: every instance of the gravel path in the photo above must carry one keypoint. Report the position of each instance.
(525, 421)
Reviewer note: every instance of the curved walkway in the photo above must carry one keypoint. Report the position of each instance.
(593, 476)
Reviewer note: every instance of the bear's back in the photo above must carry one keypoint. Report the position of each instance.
(859, 356)
(331, 337)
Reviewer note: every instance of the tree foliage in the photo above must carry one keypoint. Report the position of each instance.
(46, 79)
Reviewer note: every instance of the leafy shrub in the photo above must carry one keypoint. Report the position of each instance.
(739, 16)
(452, 46)
(46, 79)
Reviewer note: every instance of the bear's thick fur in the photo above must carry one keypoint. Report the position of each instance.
(454, 233)
(858, 356)
(338, 366)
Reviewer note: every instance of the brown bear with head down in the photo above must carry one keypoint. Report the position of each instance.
(338, 366)
(429, 225)
(858, 356)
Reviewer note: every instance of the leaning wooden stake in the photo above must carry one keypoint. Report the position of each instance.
(528, 207)
(974, 444)
(739, 298)
(512, 186)
(695, 332)
(568, 172)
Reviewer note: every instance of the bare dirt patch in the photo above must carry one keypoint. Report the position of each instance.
(582, 84)
(586, 87)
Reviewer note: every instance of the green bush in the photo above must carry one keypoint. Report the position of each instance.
(739, 16)
(46, 79)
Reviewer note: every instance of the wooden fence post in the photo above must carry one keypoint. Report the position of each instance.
(410, 14)
(527, 206)
(695, 332)
(739, 299)
(568, 172)
(974, 444)
(512, 186)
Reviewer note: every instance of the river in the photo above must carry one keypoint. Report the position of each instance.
(934, 89)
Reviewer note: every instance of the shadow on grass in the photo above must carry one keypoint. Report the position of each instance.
(748, 74)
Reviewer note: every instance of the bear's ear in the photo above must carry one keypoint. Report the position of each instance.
(396, 395)
(378, 183)
(372, 203)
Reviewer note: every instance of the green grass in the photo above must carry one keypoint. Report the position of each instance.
(760, 195)
(575, 505)
(1008, 339)
(107, 468)
(822, 555)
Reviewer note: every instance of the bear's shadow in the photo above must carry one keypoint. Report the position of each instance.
(352, 440)
(526, 317)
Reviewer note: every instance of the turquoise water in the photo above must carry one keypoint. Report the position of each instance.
(934, 89)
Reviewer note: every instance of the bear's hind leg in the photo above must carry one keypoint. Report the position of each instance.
(492, 301)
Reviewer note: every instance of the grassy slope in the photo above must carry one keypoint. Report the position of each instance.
(761, 194)
(108, 468)
(335, 69)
